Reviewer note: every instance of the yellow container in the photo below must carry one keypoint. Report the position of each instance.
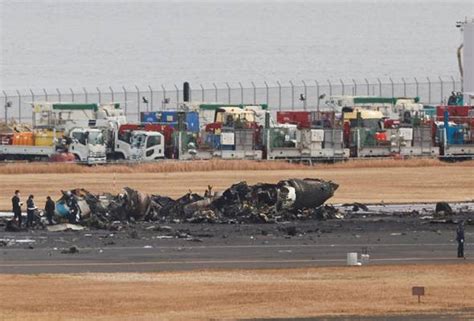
(47, 137)
(24, 138)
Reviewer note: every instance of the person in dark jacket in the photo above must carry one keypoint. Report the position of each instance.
(460, 239)
(30, 211)
(49, 208)
(16, 207)
(73, 208)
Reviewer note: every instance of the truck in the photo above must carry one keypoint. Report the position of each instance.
(367, 135)
(86, 144)
(119, 140)
(396, 108)
(454, 132)
(136, 142)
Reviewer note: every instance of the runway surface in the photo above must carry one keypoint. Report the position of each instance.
(187, 257)
(146, 247)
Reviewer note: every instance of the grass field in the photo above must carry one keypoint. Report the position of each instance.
(214, 165)
(366, 182)
(368, 290)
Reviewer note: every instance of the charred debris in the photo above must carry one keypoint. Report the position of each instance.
(288, 200)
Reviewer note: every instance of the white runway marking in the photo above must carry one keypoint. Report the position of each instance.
(214, 262)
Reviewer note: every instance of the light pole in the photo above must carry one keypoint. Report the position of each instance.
(8, 104)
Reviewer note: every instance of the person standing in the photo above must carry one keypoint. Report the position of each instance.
(73, 208)
(30, 211)
(460, 239)
(16, 207)
(49, 208)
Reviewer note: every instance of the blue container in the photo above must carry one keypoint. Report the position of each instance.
(169, 117)
(150, 117)
(62, 209)
(192, 121)
(213, 141)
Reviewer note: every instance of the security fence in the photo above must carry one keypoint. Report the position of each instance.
(301, 95)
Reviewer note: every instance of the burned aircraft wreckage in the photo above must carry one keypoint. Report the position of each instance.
(290, 199)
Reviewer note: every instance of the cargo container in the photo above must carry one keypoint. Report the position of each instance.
(170, 118)
(300, 118)
(23, 139)
(150, 117)
(47, 137)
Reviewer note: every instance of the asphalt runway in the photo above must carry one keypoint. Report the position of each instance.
(150, 246)
(189, 257)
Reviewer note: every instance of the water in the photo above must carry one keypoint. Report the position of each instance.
(62, 44)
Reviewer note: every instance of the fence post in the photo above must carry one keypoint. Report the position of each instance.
(429, 90)
(305, 94)
(342, 87)
(228, 92)
(215, 92)
(442, 89)
(317, 94)
(279, 95)
(330, 88)
(368, 86)
(45, 94)
(100, 94)
(454, 83)
(125, 98)
(177, 96)
(202, 92)
(163, 103)
(151, 98)
(404, 87)
(355, 87)
(138, 102)
(112, 94)
(32, 96)
(59, 94)
(267, 92)
(254, 93)
(5, 106)
(417, 86)
(393, 89)
(241, 93)
(292, 95)
(72, 94)
(85, 93)
(19, 105)
(380, 87)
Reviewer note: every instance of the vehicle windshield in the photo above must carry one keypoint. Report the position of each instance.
(137, 140)
(96, 138)
(374, 124)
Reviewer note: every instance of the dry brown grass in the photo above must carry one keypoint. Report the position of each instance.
(216, 165)
(376, 184)
(369, 290)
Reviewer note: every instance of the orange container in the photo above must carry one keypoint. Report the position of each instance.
(25, 138)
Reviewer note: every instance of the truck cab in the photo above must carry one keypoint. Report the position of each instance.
(87, 144)
(140, 145)
(371, 121)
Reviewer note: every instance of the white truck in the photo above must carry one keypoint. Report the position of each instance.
(134, 142)
(86, 144)
(401, 108)
(96, 131)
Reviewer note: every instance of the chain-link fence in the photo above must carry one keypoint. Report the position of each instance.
(301, 95)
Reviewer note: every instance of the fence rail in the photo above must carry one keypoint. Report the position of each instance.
(301, 95)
